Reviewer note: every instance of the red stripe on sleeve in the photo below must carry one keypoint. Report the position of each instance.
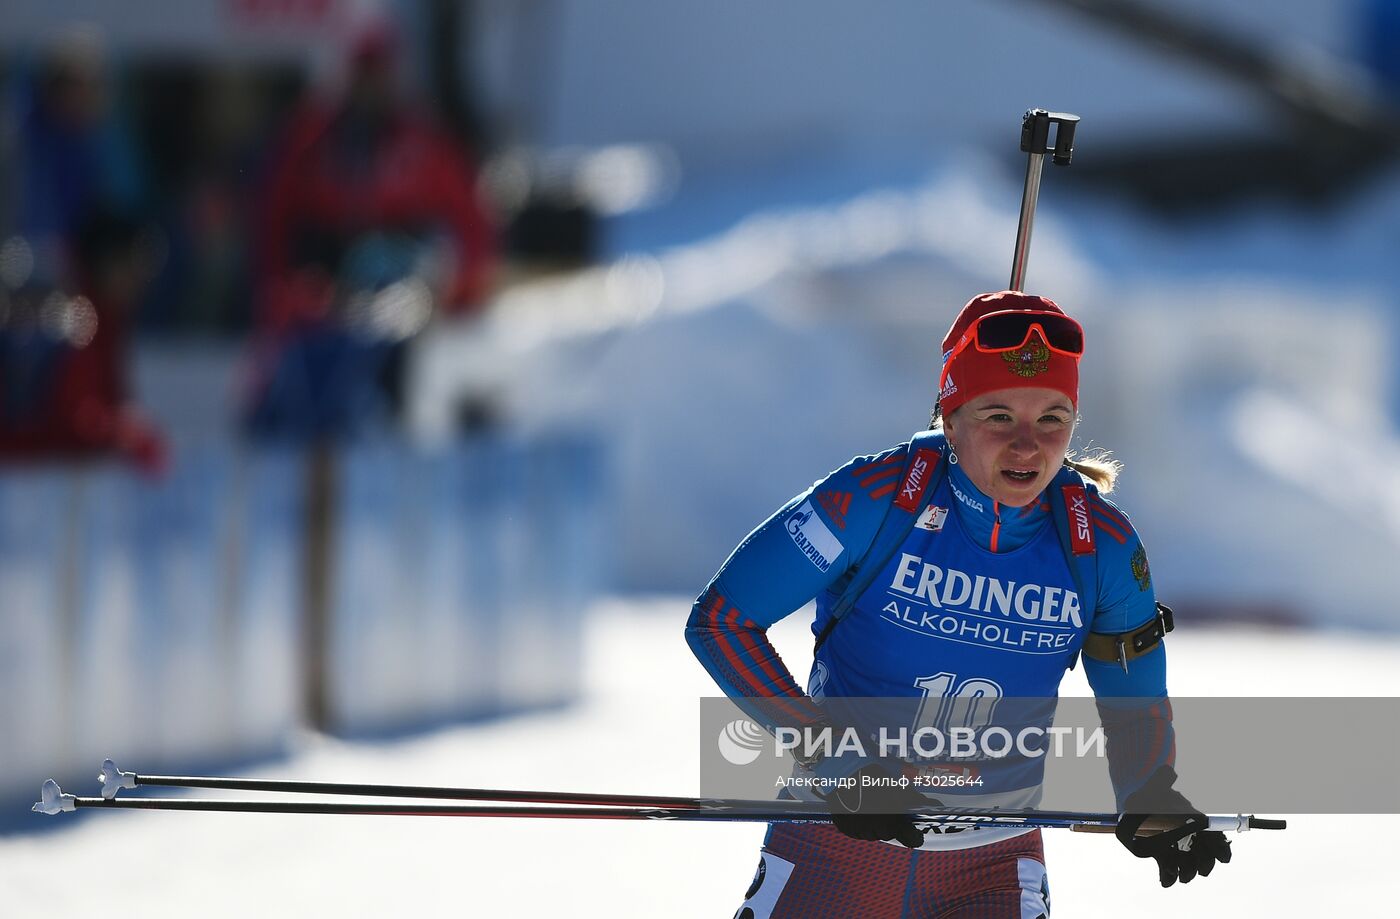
(781, 679)
(882, 474)
(868, 467)
(1112, 513)
(729, 629)
(1108, 527)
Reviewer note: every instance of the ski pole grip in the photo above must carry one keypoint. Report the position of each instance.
(1266, 823)
(1035, 130)
(1035, 134)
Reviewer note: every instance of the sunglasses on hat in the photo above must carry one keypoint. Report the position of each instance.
(1010, 330)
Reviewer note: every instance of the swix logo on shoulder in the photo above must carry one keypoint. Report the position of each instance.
(1081, 533)
(911, 490)
(813, 537)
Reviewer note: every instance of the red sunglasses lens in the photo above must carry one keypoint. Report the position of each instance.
(1003, 331)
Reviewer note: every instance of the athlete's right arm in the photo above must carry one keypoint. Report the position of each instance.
(789, 559)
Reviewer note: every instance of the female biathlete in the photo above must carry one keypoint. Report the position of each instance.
(980, 593)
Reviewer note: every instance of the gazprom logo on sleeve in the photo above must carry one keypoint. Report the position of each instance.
(817, 542)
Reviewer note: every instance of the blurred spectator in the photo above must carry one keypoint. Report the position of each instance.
(370, 162)
(371, 221)
(73, 267)
(64, 391)
(67, 160)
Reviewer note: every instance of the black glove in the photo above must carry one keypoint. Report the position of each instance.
(877, 810)
(1185, 850)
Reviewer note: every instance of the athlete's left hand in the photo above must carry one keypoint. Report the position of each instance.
(875, 809)
(1182, 852)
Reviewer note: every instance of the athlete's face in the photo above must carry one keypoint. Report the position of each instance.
(1011, 442)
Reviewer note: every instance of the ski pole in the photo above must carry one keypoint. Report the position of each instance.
(114, 780)
(54, 801)
(1035, 142)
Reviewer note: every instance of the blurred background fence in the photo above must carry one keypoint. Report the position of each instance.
(167, 622)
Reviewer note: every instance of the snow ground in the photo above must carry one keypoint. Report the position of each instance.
(635, 732)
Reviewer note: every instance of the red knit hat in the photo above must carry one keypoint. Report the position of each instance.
(969, 372)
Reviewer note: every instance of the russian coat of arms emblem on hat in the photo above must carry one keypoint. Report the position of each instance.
(1031, 359)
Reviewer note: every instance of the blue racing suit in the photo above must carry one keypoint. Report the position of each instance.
(979, 600)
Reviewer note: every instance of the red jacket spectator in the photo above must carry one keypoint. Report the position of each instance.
(366, 163)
